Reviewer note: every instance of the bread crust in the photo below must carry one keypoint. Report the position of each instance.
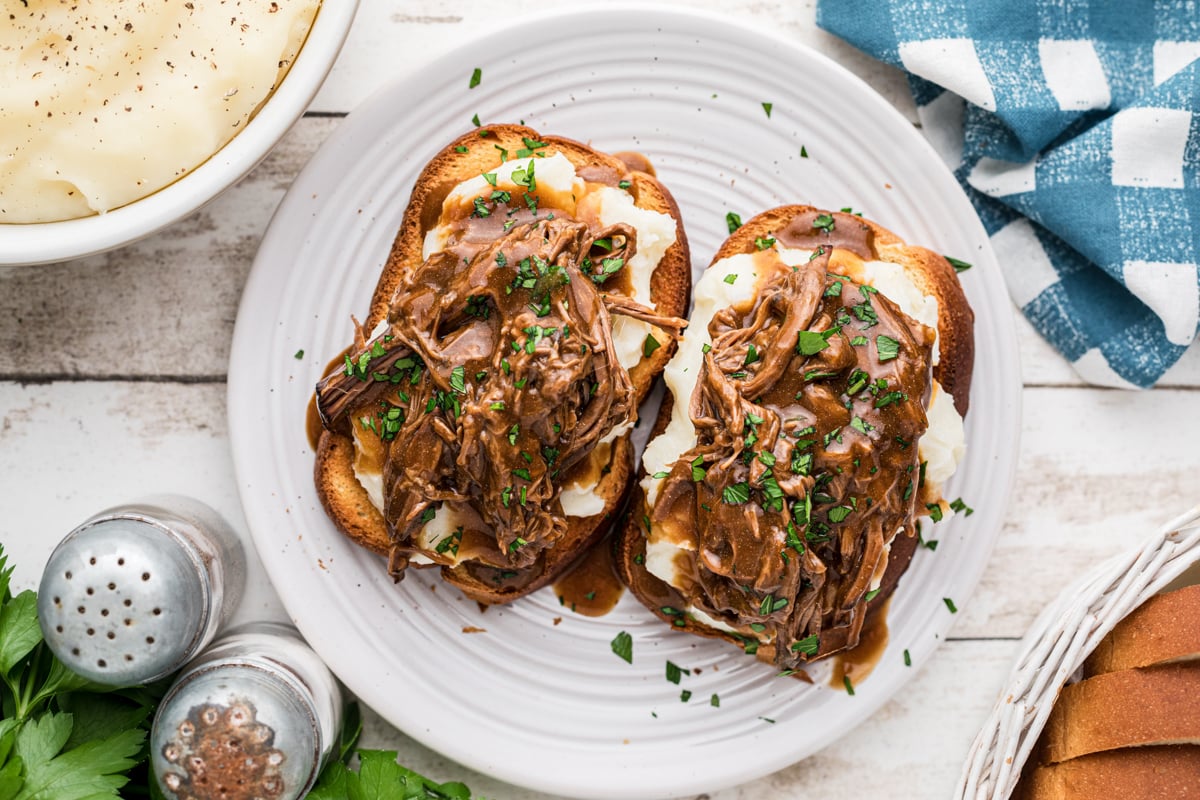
(1144, 773)
(1131, 708)
(343, 497)
(934, 275)
(1162, 630)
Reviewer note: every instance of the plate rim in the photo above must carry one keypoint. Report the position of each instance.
(1008, 393)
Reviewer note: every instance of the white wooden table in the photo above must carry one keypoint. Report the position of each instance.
(112, 385)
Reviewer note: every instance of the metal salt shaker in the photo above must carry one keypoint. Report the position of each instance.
(255, 716)
(135, 592)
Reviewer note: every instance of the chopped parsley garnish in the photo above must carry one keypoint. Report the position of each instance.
(808, 646)
(809, 343)
(962, 508)
(457, 379)
(730, 278)
(907, 659)
(860, 425)
(824, 222)
(526, 177)
(607, 267)
(859, 340)
(490, 177)
(462, 148)
(650, 345)
(714, 701)
(476, 77)
(624, 185)
(698, 470)
(887, 347)
(481, 209)
(299, 355)
(839, 513)
(834, 289)
(764, 243)
(428, 514)
(858, 382)
(866, 313)
(871, 595)
(959, 266)
(660, 474)
(889, 398)
(751, 355)
(475, 121)
(950, 605)
(770, 604)
(684, 696)
(768, 459)
(733, 221)
(849, 686)
(935, 511)
(803, 151)
(675, 672)
(622, 645)
(767, 108)
(736, 494)
(522, 473)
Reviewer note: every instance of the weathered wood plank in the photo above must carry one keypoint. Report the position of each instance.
(163, 306)
(393, 38)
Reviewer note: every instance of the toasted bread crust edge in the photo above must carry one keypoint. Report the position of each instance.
(343, 498)
(933, 275)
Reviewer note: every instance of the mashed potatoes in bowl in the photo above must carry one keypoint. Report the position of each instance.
(118, 116)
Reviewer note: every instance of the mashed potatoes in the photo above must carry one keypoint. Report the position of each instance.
(106, 101)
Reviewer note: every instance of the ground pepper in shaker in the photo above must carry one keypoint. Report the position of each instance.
(254, 716)
(135, 592)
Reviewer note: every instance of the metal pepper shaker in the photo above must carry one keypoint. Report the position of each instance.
(135, 592)
(255, 716)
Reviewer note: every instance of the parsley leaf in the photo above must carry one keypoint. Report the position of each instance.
(476, 77)
(622, 645)
(887, 347)
(733, 221)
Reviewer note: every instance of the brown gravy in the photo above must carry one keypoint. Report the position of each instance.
(860, 661)
(591, 587)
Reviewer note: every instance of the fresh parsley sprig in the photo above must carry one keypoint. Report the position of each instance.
(379, 776)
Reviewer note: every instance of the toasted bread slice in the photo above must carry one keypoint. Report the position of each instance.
(1144, 773)
(1131, 708)
(475, 153)
(933, 276)
(1165, 629)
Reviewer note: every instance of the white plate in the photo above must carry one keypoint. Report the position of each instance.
(545, 706)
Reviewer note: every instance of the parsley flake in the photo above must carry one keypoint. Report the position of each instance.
(887, 347)
(622, 645)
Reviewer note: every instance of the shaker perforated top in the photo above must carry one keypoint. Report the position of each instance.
(124, 601)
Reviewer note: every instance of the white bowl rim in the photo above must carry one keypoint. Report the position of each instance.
(46, 242)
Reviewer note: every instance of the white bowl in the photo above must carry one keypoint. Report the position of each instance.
(43, 242)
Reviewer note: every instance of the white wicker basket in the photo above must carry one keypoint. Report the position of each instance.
(1057, 644)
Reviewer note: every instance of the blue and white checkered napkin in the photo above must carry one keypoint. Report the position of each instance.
(1074, 126)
